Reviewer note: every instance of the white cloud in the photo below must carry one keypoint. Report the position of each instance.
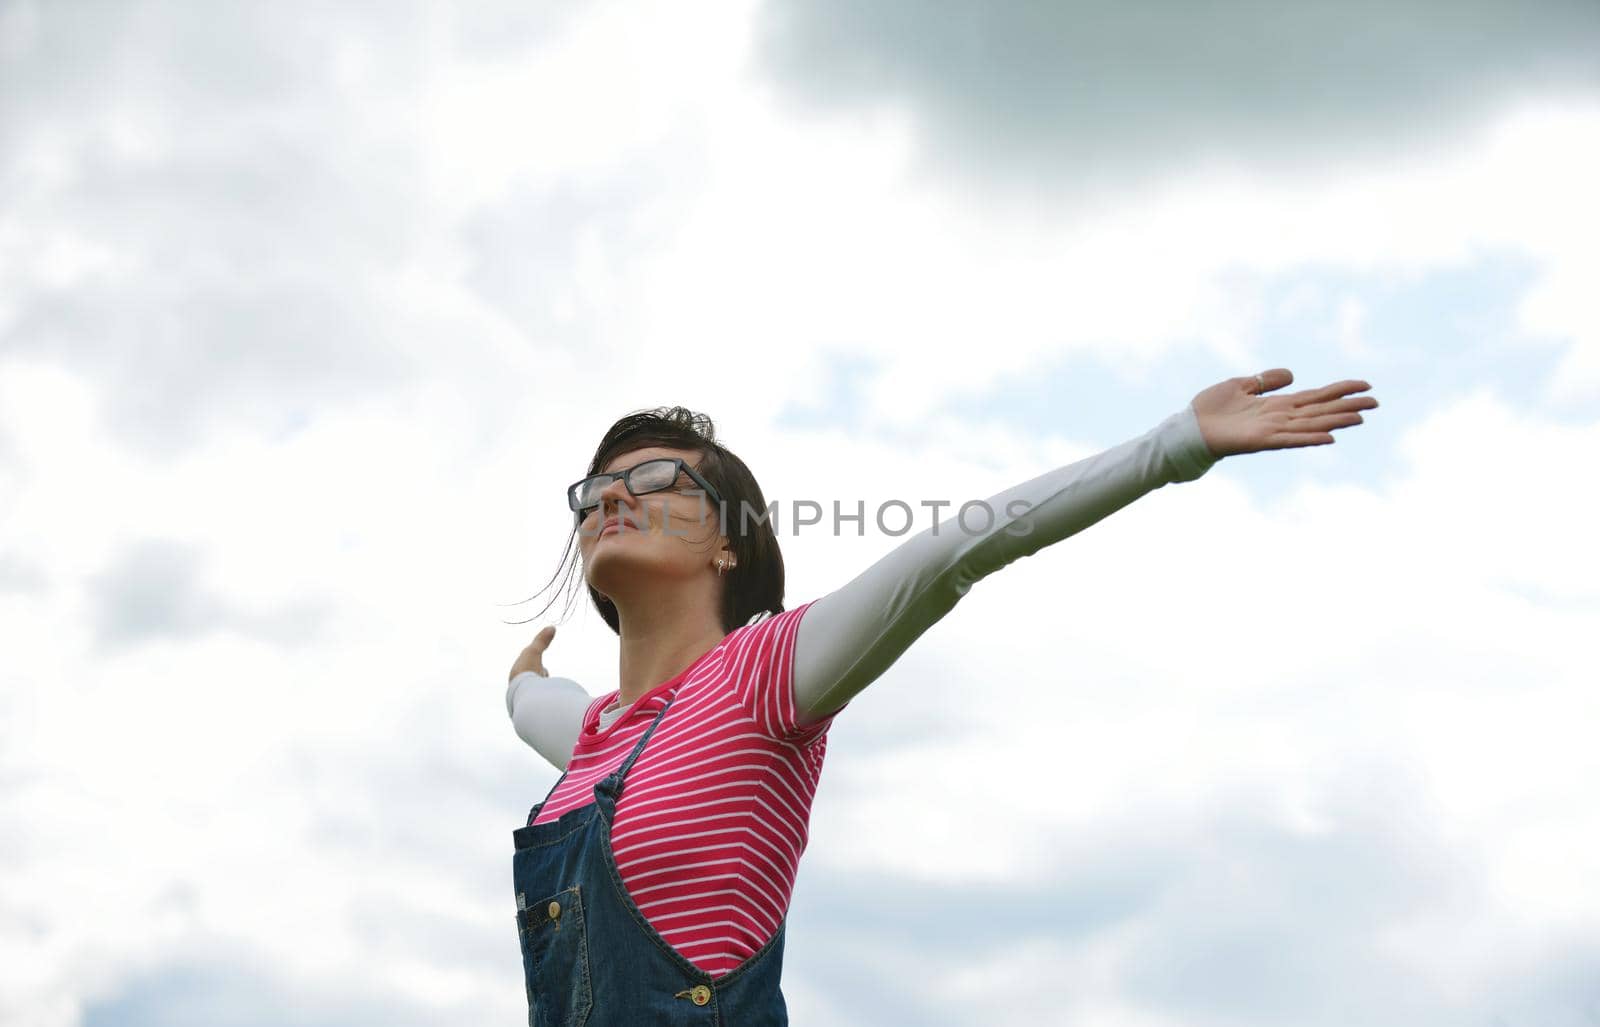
(286, 407)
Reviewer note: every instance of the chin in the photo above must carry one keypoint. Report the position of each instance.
(611, 572)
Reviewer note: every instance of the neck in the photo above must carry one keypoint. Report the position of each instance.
(660, 640)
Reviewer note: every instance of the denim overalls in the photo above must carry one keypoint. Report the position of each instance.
(588, 954)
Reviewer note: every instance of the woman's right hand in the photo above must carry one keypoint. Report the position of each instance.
(532, 656)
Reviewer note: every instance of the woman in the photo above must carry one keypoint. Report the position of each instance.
(653, 880)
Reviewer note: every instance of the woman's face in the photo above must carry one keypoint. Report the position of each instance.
(628, 539)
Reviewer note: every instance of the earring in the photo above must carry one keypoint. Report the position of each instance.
(722, 565)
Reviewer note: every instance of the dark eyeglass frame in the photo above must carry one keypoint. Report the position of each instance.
(626, 474)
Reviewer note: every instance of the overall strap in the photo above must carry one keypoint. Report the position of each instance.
(637, 749)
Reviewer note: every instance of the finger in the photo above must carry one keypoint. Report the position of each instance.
(1293, 440)
(1270, 379)
(1325, 422)
(1335, 406)
(1330, 392)
(536, 648)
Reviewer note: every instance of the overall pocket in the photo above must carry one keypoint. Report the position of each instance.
(555, 960)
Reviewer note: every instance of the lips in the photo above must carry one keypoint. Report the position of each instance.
(613, 525)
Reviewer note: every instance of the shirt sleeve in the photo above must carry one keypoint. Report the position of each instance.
(547, 713)
(853, 634)
(762, 667)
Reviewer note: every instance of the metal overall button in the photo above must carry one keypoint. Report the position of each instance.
(699, 994)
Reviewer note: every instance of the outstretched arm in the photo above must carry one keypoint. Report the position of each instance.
(547, 712)
(850, 636)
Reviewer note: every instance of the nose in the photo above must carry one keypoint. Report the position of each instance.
(613, 498)
(616, 492)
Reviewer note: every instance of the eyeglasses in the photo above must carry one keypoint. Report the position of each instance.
(641, 479)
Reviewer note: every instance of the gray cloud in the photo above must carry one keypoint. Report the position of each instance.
(240, 218)
(1233, 919)
(1049, 91)
(207, 158)
(154, 590)
(217, 992)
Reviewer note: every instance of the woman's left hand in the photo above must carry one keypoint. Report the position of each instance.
(1237, 418)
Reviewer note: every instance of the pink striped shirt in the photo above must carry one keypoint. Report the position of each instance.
(714, 813)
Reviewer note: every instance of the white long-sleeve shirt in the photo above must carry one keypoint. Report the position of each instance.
(851, 635)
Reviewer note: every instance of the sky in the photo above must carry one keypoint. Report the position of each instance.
(309, 313)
